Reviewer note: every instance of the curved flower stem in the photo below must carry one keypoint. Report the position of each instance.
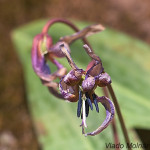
(59, 20)
(119, 115)
(114, 128)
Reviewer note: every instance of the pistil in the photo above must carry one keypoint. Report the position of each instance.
(84, 114)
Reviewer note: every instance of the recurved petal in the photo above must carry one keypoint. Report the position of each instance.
(88, 84)
(38, 60)
(103, 79)
(70, 93)
(90, 30)
(73, 77)
(94, 68)
(56, 50)
(110, 111)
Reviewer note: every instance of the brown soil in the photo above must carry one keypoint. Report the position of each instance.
(16, 131)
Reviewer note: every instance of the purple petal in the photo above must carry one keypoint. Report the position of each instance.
(39, 64)
(88, 84)
(103, 79)
(70, 93)
(94, 68)
(93, 29)
(38, 60)
(56, 50)
(110, 111)
(55, 92)
(73, 77)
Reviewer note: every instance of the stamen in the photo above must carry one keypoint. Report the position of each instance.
(87, 108)
(95, 102)
(79, 104)
(89, 101)
(96, 105)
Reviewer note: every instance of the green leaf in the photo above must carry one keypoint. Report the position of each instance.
(127, 62)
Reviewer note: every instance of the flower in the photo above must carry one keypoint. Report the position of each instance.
(79, 85)
(43, 49)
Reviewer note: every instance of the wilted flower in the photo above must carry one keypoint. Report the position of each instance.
(79, 85)
(43, 49)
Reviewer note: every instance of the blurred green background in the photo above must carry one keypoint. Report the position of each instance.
(16, 130)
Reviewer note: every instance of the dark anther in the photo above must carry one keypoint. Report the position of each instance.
(95, 102)
(87, 108)
(79, 104)
(88, 100)
(90, 103)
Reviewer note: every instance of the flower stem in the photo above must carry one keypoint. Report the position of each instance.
(119, 115)
(114, 127)
(67, 22)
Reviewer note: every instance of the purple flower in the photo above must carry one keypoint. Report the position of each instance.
(79, 85)
(43, 50)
